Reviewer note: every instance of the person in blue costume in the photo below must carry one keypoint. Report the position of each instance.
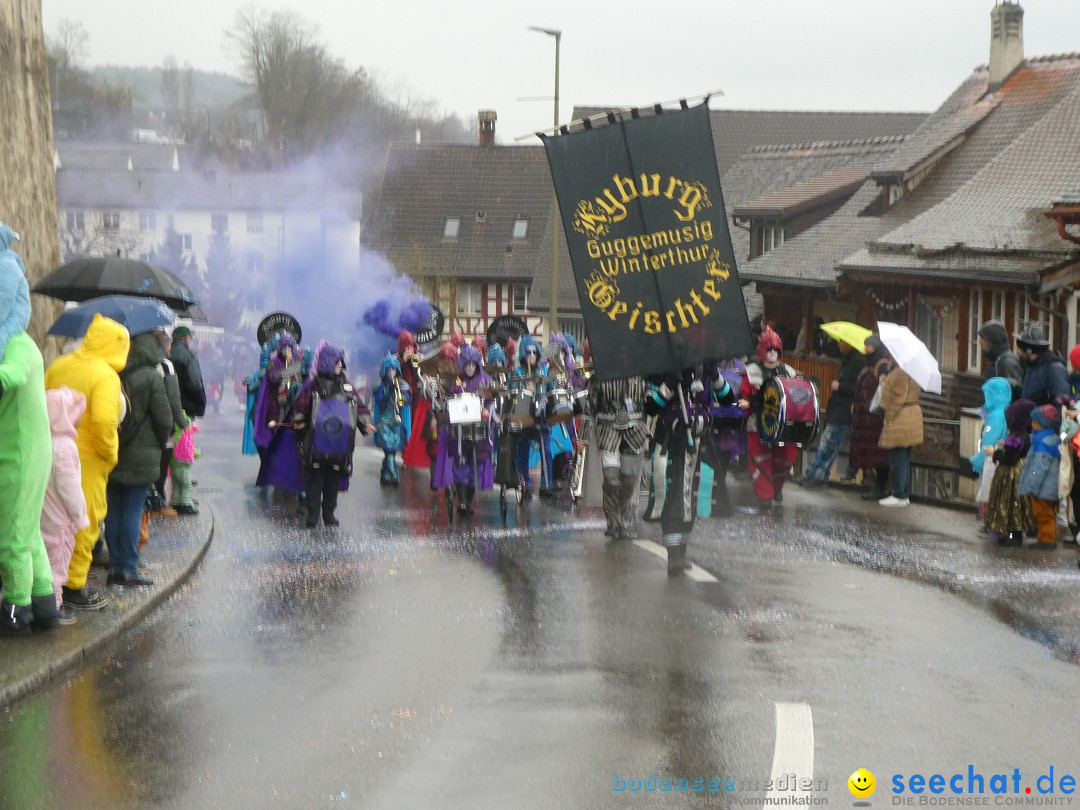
(392, 417)
(530, 376)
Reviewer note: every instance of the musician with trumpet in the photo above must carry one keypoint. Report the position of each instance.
(392, 417)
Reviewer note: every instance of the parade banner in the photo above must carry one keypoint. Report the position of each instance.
(645, 224)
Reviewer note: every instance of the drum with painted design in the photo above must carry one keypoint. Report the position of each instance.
(789, 411)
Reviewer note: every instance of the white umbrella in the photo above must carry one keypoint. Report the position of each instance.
(911, 355)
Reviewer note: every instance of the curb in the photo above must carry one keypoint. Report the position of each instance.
(67, 662)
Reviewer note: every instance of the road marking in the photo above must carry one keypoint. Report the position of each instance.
(697, 573)
(793, 753)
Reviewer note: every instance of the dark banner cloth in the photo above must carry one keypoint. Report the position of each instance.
(644, 218)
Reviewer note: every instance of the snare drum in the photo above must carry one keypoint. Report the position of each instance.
(522, 410)
(789, 412)
(474, 431)
(560, 406)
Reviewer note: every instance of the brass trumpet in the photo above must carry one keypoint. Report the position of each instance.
(400, 396)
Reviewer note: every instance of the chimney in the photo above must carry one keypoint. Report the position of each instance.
(1006, 42)
(487, 126)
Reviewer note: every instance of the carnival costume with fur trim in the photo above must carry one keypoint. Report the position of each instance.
(25, 461)
(280, 466)
(539, 433)
(94, 370)
(466, 465)
(392, 417)
(770, 465)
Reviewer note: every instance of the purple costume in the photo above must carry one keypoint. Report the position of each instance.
(280, 466)
(473, 467)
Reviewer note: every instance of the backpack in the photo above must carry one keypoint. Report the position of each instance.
(333, 425)
(129, 425)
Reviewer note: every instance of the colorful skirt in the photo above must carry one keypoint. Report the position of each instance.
(1007, 511)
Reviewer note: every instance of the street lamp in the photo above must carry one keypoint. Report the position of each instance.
(553, 313)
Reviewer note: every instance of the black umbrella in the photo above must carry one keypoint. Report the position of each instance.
(93, 276)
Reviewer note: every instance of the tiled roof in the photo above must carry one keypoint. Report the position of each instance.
(987, 197)
(196, 190)
(736, 132)
(1069, 198)
(487, 188)
(78, 154)
(787, 201)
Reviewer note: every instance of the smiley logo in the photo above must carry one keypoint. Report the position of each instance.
(862, 783)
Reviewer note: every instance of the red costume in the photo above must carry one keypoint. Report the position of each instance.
(770, 465)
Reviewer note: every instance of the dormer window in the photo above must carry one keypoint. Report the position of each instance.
(451, 228)
(521, 229)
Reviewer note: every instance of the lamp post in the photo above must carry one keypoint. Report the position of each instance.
(553, 313)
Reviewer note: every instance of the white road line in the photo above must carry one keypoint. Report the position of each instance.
(793, 754)
(697, 573)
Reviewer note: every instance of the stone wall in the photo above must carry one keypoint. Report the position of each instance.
(27, 178)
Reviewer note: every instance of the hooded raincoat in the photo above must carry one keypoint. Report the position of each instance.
(64, 511)
(24, 453)
(93, 370)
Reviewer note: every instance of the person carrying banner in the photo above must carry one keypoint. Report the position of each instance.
(770, 465)
(682, 403)
(620, 437)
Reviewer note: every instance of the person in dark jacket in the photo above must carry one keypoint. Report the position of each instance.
(172, 390)
(144, 433)
(1001, 361)
(866, 426)
(188, 373)
(839, 418)
(1046, 382)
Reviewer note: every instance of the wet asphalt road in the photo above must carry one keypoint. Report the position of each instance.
(395, 663)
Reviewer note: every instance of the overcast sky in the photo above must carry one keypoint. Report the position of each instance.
(773, 54)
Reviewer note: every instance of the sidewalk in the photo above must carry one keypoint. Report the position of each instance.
(176, 547)
(1037, 593)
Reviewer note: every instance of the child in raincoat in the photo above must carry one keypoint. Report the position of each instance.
(183, 457)
(64, 510)
(996, 398)
(1039, 479)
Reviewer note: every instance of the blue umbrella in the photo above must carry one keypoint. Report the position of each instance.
(137, 314)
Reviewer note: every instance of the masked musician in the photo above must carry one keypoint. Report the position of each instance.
(392, 414)
(682, 404)
(560, 373)
(280, 466)
(423, 435)
(326, 452)
(770, 465)
(620, 436)
(465, 463)
(530, 376)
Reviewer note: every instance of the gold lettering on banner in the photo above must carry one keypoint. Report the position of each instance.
(683, 248)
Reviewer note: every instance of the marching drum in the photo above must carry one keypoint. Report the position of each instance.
(475, 431)
(522, 410)
(560, 406)
(789, 412)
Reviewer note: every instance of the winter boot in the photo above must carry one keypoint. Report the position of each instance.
(46, 614)
(461, 507)
(470, 494)
(675, 566)
(15, 621)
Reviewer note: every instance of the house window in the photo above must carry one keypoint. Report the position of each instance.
(185, 241)
(451, 227)
(219, 223)
(75, 221)
(519, 298)
(930, 326)
(983, 305)
(468, 299)
(147, 221)
(521, 229)
(769, 237)
(110, 220)
(254, 223)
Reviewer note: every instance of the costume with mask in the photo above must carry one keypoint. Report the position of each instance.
(25, 461)
(770, 465)
(392, 415)
(531, 375)
(472, 467)
(324, 475)
(280, 467)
